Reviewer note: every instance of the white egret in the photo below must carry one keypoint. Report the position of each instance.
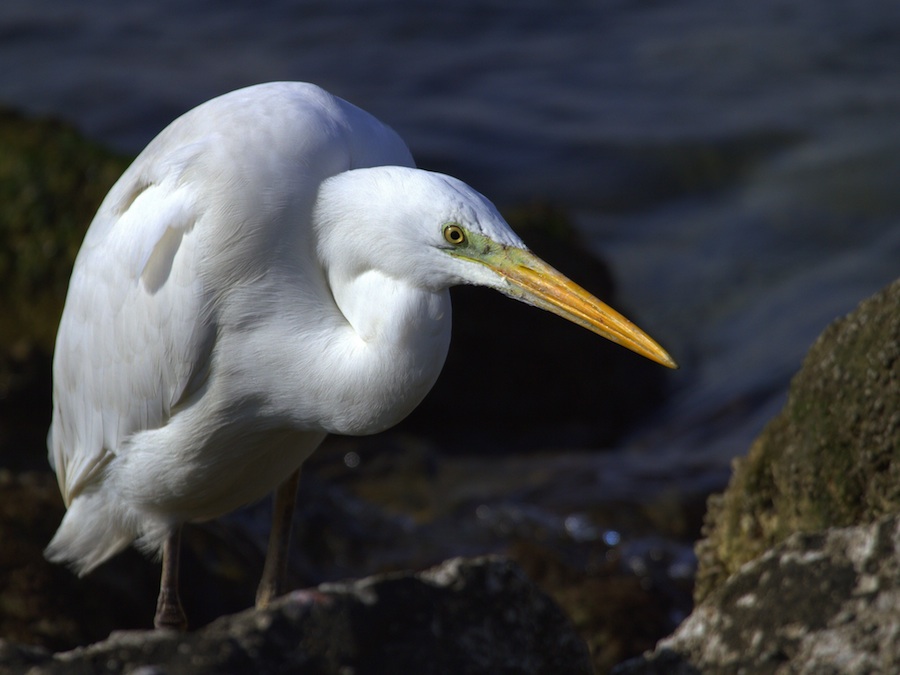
(270, 269)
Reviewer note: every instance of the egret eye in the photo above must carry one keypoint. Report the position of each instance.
(454, 234)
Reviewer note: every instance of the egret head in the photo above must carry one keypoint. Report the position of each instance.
(435, 231)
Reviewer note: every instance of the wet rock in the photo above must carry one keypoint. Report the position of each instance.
(800, 568)
(622, 594)
(465, 616)
(830, 458)
(817, 603)
(621, 591)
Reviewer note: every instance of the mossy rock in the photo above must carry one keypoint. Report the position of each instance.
(831, 458)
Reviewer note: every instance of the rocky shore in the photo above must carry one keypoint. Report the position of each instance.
(367, 507)
(798, 563)
(464, 616)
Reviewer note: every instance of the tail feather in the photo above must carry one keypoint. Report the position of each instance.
(92, 531)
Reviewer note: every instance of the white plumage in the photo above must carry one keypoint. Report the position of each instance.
(269, 270)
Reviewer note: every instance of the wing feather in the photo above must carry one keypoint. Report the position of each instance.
(134, 314)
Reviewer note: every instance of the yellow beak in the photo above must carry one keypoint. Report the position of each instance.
(533, 281)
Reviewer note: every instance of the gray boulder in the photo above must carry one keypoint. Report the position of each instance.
(830, 458)
(815, 604)
(465, 616)
(799, 570)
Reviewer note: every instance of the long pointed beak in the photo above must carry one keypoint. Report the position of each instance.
(533, 281)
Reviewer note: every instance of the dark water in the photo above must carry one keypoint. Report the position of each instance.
(738, 163)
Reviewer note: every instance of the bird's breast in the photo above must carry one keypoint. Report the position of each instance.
(353, 369)
(389, 355)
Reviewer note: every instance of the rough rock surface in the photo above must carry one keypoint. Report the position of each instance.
(621, 600)
(817, 603)
(830, 458)
(464, 616)
(800, 568)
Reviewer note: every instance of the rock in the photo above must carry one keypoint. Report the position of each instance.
(464, 616)
(830, 458)
(817, 603)
(800, 568)
(621, 599)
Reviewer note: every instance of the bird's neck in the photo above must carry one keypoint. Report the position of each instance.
(389, 351)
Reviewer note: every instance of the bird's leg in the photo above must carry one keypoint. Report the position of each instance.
(273, 580)
(169, 613)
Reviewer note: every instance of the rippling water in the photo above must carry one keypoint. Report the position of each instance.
(738, 163)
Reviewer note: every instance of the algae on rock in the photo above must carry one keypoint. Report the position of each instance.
(830, 458)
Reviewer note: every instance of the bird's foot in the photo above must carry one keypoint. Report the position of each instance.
(267, 592)
(169, 613)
